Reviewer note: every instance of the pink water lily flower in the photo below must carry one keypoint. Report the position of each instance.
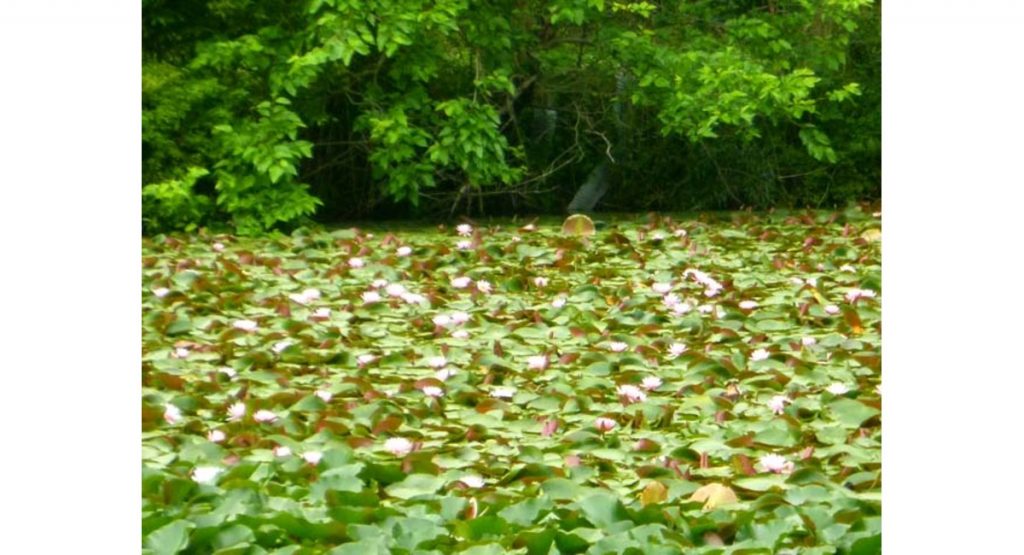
(679, 233)
(379, 283)
(245, 325)
(433, 391)
(460, 318)
(413, 298)
(216, 436)
(617, 346)
(264, 415)
(442, 320)
(778, 403)
(538, 362)
(322, 313)
(437, 361)
(461, 282)
(676, 349)
(705, 309)
(370, 297)
(365, 358)
(464, 245)
(236, 411)
(759, 354)
(181, 352)
(748, 305)
(395, 289)
(671, 300)
(776, 464)
(661, 287)
(460, 334)
(631, 393)
(324, 395)
(206, 474)
(682, 308)
(650, 383)
(161, 292)
(808, 341)
(398, 446)
(540, 281)
(312, 457)
(356, 262)
(218, 247)
(854, 294)
(832, 309)
(604, 424)
(484, 286)
(464, 230)
(282, 451)
(172, 414)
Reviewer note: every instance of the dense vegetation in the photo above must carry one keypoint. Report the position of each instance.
(664, 387)
(263, 113)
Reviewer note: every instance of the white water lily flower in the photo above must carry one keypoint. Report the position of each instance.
(227, 371)
(322, 313)
(370, 297)
(219, 247)
(311, 294)
(216, 436)
(460, 318)
(404, 250)
(705, 309)
(537, 362)
(604, 424)
(671, 300)
(245, 325)
(282, 451)
(484, 286)
(796, 281)
(776, 463)
(650, 383)
(748, 305)
(236, 411)
(365, 358)
(437, 361)
(460, 334)
(657, 236)
(503, 393)
(324, 395)
(312, 457)
(632, 393)
(559, 302)
(759, 354)
(472, 481)
(464, 230)
(813, 282)
(461, 282)
(712, 291)
(778, 403)
(442, 320)
(281, 346)
(398, 446)
(172, 414)
(379, 283)
(444, 373)
(395, 289)
(676, 349)
(161, 292)
(617, 346)
(808, 341)
(832, 309)
(433, 391)
(838, 389)
(679, 233)
(181, 352)
(206, 474)
(356, 262)
(464, 245)
(264, 415)
(540, 281)
(661, 288)
(847, 268)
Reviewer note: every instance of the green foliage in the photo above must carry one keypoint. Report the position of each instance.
(700, 104)
(172, 204)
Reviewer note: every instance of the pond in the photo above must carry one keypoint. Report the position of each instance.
(688, 383)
